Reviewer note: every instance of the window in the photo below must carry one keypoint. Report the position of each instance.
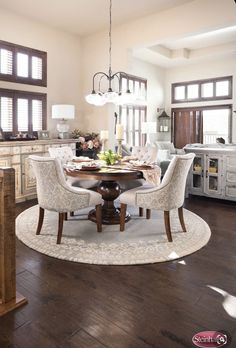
(216, 124)
(132, 116)
(201, 125)
(210, 89)
(22, 112)
(22, 64)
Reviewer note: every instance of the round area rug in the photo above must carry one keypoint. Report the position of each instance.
(143, 241)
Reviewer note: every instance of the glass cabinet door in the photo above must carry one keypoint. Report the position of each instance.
(197, 174)
(213, 175)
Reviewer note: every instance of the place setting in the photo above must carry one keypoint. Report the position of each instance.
(82, 164)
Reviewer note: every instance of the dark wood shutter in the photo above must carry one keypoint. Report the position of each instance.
(187, 127)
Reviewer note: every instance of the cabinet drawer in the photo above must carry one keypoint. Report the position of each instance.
(231, 177)
(5, 162)
(231, 163)
(15, 159)
(5, 150)
(16, 150)
(31, 148)
(230, 191)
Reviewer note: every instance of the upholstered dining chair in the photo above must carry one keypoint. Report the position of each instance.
(167, 196)
(65, 154)
(142, 153)
(55, 194)
(145, 153)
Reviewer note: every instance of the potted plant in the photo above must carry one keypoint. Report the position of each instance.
(109, 157)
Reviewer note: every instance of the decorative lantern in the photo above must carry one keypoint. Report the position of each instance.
(164, 120)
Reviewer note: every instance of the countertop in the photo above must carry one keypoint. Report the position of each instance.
(36, 142)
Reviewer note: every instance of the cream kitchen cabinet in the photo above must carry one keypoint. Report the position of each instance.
(15, 154)
(213, 172)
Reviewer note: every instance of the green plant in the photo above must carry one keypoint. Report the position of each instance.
(109, 157)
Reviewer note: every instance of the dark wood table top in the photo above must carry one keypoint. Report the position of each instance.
(106, 173)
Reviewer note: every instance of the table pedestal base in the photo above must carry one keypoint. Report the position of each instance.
(109, 190)
(107, 219)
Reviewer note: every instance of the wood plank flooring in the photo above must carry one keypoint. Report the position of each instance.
(162, 305)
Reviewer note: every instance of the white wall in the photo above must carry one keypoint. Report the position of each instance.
(155, 88)
(64, 62)
(142, 32)
(72, 62)
(208, 69)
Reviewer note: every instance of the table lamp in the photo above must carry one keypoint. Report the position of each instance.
(148, 128)
(63, 112)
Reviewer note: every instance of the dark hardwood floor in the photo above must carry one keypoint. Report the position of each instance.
(162, 305)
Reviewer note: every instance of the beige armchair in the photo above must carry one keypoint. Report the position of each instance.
(65, 154)
(167, 196)
(55, 194)
(142, 153)
(145, 153)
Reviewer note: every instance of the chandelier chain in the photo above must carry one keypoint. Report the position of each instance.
(100, 98)
(110, 23)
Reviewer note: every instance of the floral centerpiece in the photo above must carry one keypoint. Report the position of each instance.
(87, 142)
(109, 157)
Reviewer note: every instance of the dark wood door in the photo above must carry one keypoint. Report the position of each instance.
(186, 127)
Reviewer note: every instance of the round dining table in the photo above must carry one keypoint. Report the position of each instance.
(108, 187)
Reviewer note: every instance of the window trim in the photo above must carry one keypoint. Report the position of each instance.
(15, 94)
(14, 48)
(140, 108)
(200, 83)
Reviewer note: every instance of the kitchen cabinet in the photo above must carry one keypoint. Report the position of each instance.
(15, 155)
(213, 172)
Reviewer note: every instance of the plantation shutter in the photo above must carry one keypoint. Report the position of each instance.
(37, 68)
(37, 115)
(22, 64)
(22, 114)
(6, 61)
(6, 114)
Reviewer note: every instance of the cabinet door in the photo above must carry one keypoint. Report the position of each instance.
(28, 178)
(230, 177)
(196, 175)
(213, 175)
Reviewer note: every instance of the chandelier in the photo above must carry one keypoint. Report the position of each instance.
(99, 98)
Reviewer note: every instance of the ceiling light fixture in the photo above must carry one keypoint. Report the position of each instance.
(100, 98)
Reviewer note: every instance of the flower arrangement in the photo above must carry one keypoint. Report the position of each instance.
(109, 157)
(87, 141)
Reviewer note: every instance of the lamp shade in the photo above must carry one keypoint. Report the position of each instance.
(64, 111)
(148, 127)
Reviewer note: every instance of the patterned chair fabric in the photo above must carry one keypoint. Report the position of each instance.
(65, 154)
(168, 195)
(145, 153)
(54, 193)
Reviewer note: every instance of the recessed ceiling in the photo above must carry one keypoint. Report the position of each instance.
(191, 49)
(84, 17)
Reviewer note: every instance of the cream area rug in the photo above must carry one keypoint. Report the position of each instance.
(143, 241)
